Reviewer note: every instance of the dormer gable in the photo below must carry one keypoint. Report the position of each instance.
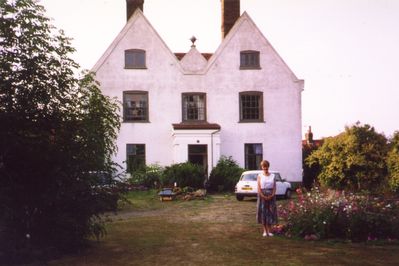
(193, 62)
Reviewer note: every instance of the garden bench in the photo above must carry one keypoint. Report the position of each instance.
(166, 194)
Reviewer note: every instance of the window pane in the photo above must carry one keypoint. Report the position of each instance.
(253, 155)
(135, 59)
(250, 107)
(194, 107)
(135, 106)
(135, 157)
(249, 59)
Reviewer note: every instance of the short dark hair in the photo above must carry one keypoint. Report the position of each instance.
(264, 163)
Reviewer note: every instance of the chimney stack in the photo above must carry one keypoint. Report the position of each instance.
(132, 5)
(309, 136)
(230, 14)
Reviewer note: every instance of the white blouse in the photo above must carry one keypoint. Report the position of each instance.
(266, 182)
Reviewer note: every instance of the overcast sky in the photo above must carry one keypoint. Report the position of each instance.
(347, 51)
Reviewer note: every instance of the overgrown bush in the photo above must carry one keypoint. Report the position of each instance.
(184, 175)
(353, 160)
(335, 214)
(393, 163)
(225, 175)
(148, 176)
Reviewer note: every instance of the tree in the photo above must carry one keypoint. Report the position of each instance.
(393, 163)
(57, 131)
(355, 159)
(309, 172)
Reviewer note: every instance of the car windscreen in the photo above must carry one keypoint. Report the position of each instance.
(249, 177)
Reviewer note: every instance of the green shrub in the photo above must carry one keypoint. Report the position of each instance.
(225, 175)
(393, 163)
(353, 160)
(184, 175)
(148, 176)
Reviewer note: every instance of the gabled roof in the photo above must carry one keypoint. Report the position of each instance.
(211, 58)
(138, 14)
(246, 18)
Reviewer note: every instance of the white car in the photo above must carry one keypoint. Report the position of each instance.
(247, 186)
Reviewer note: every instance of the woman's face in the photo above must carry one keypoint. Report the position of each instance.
(265, 168)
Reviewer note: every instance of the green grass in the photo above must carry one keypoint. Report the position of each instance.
(215, 231)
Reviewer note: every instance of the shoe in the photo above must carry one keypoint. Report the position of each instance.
(270, 234)
(264, 234)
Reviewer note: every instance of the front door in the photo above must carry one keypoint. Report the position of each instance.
(198, 154)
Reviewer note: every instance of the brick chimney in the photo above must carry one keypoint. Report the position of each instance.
(132, 5)
(309, 136)
(230, 14)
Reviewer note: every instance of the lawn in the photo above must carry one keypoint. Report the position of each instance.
(217, 230)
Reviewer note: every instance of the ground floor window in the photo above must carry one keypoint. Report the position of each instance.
(253, 155)
(135, 157)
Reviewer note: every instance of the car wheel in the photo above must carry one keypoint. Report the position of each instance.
(239, 198)
(288, 194)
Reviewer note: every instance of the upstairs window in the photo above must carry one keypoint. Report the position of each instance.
(135, 59)
(135, 106)
(249, 60)
(194, 106)
(251, 106)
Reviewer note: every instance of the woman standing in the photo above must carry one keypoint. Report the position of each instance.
(266, 205)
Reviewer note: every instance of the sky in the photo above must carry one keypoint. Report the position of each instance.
(347, 51)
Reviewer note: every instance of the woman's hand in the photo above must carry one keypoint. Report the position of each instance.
(267, 198)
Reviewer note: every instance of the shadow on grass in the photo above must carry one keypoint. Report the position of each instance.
(218, 230)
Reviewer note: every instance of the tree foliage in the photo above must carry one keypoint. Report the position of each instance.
(393, 163)
(57, 129)
(310, 173)
(354, 159)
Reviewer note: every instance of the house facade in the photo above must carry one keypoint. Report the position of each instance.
(241, 101)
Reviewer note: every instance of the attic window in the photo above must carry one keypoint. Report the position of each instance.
(249, 60)
(135, 59)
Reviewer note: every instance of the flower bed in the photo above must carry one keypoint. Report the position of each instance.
(336, 214)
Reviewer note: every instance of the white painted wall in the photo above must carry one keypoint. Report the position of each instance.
(220, 78)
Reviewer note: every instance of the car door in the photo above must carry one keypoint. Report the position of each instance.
(280, 189)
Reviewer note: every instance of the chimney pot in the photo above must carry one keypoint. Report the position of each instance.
(132, 5)
(230, 14)
(309, 135)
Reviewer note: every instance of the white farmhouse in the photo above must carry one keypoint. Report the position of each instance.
(241, 101)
